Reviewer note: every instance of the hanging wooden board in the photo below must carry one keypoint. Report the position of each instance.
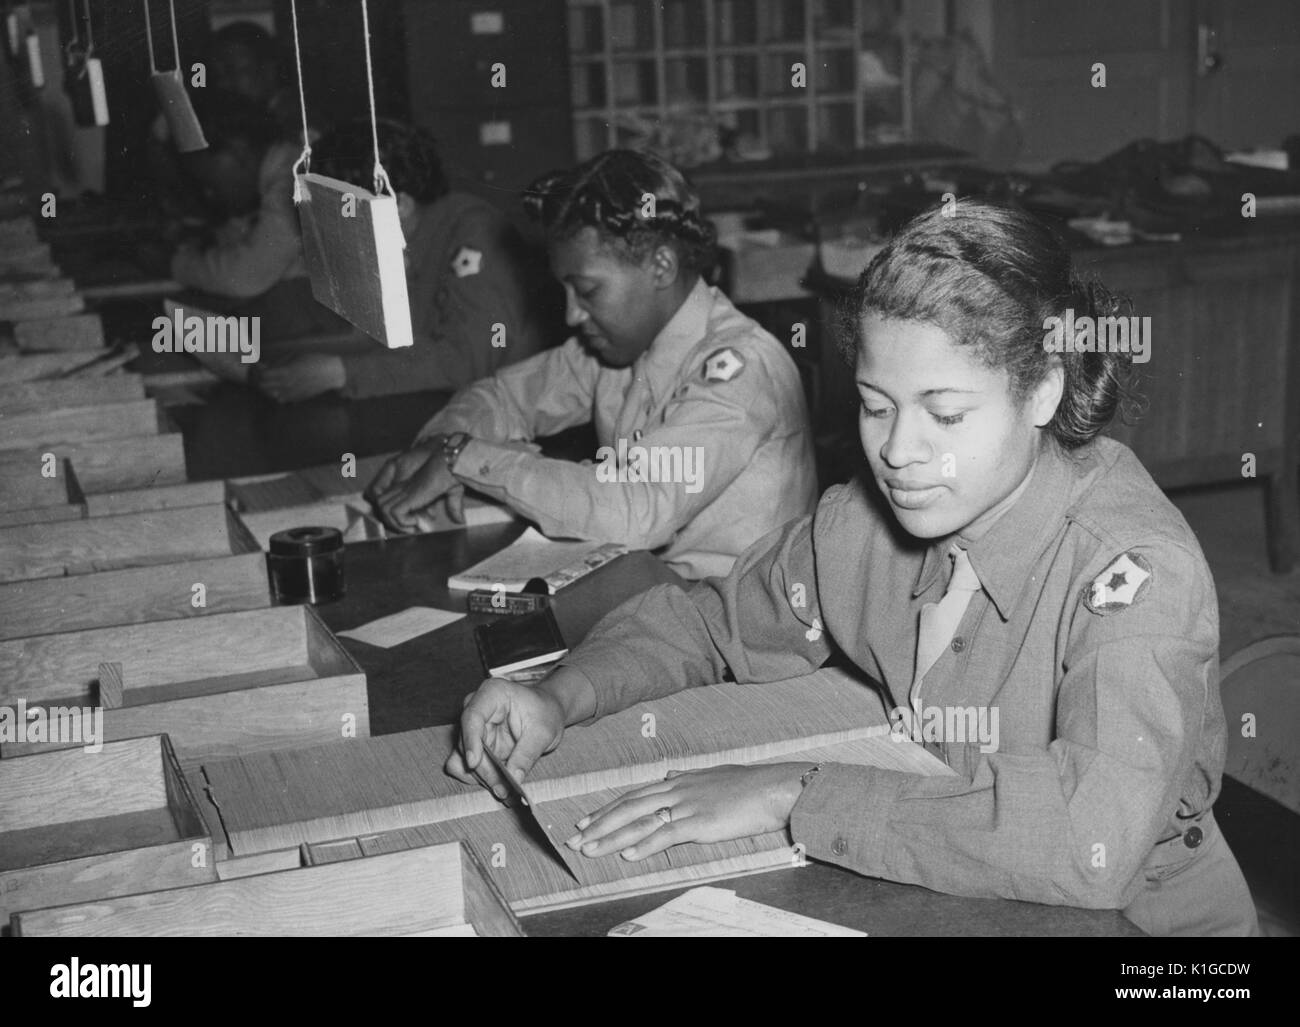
(355, 259)
(125, 540)
(136, 595)
(186, 132)
(396, 781)
(82, 424)
(33, 397)
(81, 826)
(439, 890)
(57, 334)
(257, 681)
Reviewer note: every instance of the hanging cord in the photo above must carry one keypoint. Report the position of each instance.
(382, 184)
(148, 35)
(304, 159)
(90, 32)
(148, 38)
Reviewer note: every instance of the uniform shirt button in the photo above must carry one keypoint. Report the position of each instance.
(958, 644)
(839, 847)
(484, 471)
(1192, 837)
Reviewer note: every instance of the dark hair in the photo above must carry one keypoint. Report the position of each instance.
(228, 118)
(409, 155)
(253, 38)
(989, 276)
(609, 193)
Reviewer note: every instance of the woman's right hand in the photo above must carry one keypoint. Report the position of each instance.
(412, 482)
(519, 723)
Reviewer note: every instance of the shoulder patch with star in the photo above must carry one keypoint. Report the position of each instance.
(1121, 585)
(468, 261)
(722, 365)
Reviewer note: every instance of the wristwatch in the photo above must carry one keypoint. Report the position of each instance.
(451, 447)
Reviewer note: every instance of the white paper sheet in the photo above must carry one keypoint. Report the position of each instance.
(402, 627)
(720, 913)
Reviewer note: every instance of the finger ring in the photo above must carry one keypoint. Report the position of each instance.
(664, 814)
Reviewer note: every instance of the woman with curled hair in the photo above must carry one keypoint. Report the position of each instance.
(704, 437)
(999, 559)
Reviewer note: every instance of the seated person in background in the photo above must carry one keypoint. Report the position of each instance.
(246, 177)
(475, 303)
(242, 59)
(699, 412)
(1001, 561)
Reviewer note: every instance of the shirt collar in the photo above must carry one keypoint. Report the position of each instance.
(1007, 552)
(661, 364)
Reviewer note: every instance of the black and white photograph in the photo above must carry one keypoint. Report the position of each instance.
(649, 469)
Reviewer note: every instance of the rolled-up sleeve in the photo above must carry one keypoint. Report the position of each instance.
(1072, 824)
(708, 437)
(759, 623)
(542, 395)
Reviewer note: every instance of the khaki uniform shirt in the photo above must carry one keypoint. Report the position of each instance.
(1095, 639)
(714, 403)
(471, 304)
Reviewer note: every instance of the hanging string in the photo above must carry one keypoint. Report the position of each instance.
(381, 176)
(148, 38)
(304, 159)
(90, 33)
(148, 35)
(176, 43)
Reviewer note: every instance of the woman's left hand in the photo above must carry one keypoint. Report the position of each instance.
(713, 805)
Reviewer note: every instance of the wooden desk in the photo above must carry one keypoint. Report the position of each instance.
(422, 682)
(881, 908)
(238, 432)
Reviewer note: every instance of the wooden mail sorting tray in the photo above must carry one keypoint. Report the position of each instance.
(431, 891)
(38, 396)
(125, 540)
(162, 497)
(143, 461)
(77, 826)
(45, 606)
(82, 424)
(220, 686)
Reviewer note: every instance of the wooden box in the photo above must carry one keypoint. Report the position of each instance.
(44, 606)
(33, 397)
(437, 890)
(136, 463)
(82, 424)
(163, 497)
(124, 540)
(60, 334)
(224, 685)
(78, 826)
(36, 366)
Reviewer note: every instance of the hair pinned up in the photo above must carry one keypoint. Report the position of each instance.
(990, 276)
(409, 155)
(609, 193)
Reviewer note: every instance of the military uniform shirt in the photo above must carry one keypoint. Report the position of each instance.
(252, 255)
(1094, 635)
(472, 309)
(712, 379)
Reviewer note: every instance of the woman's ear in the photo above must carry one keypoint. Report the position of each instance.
(1046, 396)
(664, 266)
